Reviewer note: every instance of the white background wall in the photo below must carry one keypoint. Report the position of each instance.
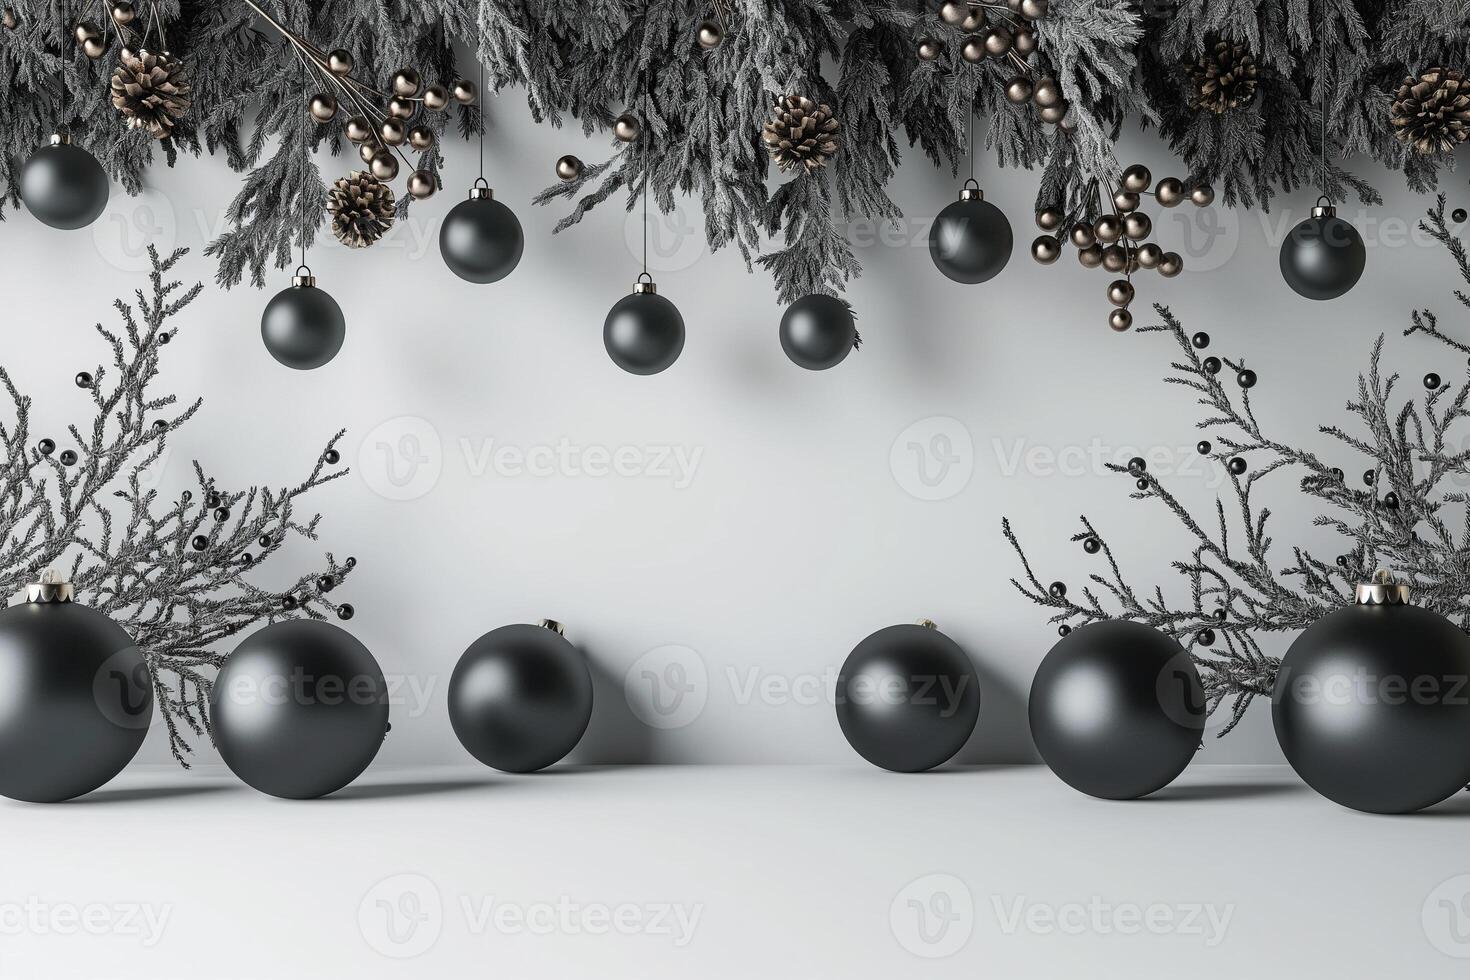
(798, 533)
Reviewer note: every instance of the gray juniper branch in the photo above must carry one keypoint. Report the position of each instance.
(1408, 519)
(1116, 60)
(129, 552)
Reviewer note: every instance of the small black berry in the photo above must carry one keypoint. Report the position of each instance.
(1246, 378)
(345, 611)
(1212, 365)
(1236, 465)
(1200, 340)
(46, 447)
(200, 542)
(1203, 447)
(1091, 545)
(1057, 589)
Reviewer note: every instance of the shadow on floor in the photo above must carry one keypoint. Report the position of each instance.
(143, 794)
(390, 791)
(1227, 791)
(1456, 806)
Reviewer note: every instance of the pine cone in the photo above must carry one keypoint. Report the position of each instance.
(1431, 113)
(1223, 77)
(362, 211)
(800, 133)
(150, 92)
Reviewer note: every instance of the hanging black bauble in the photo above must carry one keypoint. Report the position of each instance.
(302, 325)
(521, 697)
(481, 239)
(300, 709)
(970, 241)
(63, 185)
(76, 697)
(1371, 707)
(1117, 709)
(644, 332)
(1323, 257)
(907, 698)
(818, 332)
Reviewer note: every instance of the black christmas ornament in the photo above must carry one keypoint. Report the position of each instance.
(1369, 704)
(643, 332)
(520, 697)
(907, 698)
(1431, 381)
(63, 185)
(1117, 709)
(970, 241)
(1323, 256)
(76, 697)
(302, 326)
(481, 238)
(818, 332)
(300, 709)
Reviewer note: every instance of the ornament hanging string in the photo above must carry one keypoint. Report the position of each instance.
(480, 114)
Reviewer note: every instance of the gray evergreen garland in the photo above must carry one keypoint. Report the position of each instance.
(584, 62)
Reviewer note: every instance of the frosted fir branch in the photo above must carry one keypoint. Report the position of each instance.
(1405, 517)
(129, 552)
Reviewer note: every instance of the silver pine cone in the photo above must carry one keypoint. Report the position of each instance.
(362, 211)
(1223, 77)
(1431, 113)
(800, 133)
(150, 92)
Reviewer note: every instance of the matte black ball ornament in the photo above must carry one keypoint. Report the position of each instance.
(643, 332)
(1323, 257)
(63, 185)
(818, 332)
(908, 698)
(970, 241)
(1369, 704)
(300, 709)
(481, 238)
(76, 697)
(302, 326)
(520, 697)
(1117, 709)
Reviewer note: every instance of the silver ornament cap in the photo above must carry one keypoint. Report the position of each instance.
(51, 588)
(554, 626)
(1381, 591)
